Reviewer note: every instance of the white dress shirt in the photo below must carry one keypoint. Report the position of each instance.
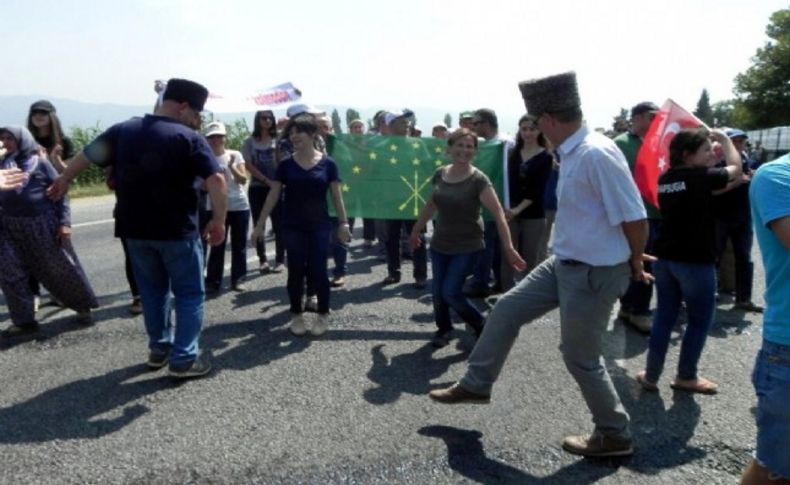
(595, 195)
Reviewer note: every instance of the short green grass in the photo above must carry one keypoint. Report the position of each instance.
(90, 190)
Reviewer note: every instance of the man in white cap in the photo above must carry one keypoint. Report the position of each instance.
(398, 124)
(440, 131)
(600, 236)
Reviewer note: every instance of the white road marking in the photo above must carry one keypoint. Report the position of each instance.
(92, 223)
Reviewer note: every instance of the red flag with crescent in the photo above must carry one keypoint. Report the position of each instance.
(653, 158)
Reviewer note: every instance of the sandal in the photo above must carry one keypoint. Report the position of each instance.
(641, 379)
(698, 385)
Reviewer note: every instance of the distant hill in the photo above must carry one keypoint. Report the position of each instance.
(13, 110)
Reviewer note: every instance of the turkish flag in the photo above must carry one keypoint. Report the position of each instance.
(653, 158)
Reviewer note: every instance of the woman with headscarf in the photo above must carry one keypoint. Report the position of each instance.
(35, 239)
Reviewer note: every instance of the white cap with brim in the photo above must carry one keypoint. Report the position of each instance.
(215, 128)
(394, 115)
(298, 109)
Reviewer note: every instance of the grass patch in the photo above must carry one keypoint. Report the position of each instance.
(89, 190)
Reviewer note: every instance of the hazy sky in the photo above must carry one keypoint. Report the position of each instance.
(451, 55)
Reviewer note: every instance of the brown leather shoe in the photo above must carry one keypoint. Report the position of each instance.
(597, 445)
(456, 394)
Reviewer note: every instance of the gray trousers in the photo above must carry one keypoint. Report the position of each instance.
(526, 235)
(585, 296)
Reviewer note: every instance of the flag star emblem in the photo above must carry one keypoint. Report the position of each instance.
(394, 148)
(356, 170)
(416, 161)
(373, 155)
(394, 161)
(346, 188)
(662, 164)
(438, 163)
(438, 149)
(415, 145)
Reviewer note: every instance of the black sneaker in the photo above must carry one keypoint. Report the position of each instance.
(390, 280)
(197, 368)
(441, 338)
(158, 359)
(212, 289)
(18, 331)
(748, 306)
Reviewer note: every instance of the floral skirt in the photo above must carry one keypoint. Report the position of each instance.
(29, 246)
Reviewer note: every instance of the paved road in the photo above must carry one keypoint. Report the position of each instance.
(77, 405)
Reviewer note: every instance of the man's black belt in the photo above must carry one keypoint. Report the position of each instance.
(572, 262)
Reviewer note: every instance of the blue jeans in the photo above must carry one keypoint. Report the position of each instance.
(339, 248)
(771, 379)
(162, 267)
(675, 282)
(238, 224)
(487, 259)
(637, 298)
(741, 234)
(307, 254)
(449, 273)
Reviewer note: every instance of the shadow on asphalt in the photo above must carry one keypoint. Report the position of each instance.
(409, 373)
(728, 323)
(668, 430)
(340, 297)
(74, 410)
(466, 455)
(56, 321)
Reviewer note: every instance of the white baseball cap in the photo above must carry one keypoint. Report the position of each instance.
(298, 109)
(215, 128)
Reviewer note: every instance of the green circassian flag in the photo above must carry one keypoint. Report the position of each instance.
(389, 177)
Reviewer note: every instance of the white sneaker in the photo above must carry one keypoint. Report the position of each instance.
(297, 326)
(311, 304)
(320, 326)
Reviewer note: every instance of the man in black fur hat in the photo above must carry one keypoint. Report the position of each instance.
(600, 235)
(158, 162)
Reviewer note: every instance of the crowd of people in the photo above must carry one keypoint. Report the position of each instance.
(181, 193)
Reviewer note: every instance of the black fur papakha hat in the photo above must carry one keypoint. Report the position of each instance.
(550, 94)
(186, 91)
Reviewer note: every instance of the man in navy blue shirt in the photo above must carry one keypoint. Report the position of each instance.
(158, 163)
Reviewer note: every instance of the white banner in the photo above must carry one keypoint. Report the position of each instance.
(280, 96)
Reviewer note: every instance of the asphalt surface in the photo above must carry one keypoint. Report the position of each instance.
(77, 404)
